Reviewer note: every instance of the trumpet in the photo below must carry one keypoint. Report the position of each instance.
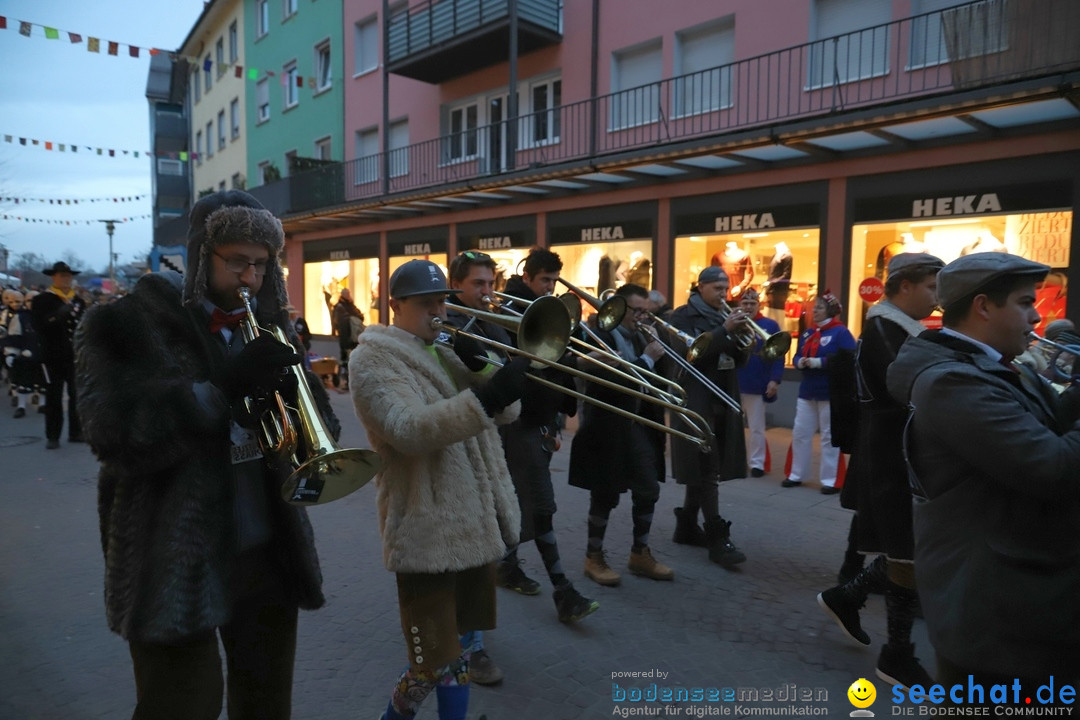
(1060, 358)
(322, 471)
(773, 346)
(543, 334)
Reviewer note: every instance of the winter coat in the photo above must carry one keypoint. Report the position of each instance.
(165, 500)
(55, 321)
(756, 374)
(727, 459)
(997, 510)
(444, 495)
(815, 381)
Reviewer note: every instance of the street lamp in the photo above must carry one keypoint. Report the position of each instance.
(110, 225)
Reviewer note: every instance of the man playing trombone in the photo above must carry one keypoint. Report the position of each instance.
(612, 453)
(699, 471)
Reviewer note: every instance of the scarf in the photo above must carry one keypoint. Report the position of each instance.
(67, 295)
(703, 308)
(813, 343)
(887, 311)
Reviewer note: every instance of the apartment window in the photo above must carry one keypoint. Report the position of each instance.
(219, 55)
(264, 168)
(635, 77)
(210, 139)
(322, 149)
(207, 80)
(196, 86)
(290, 95)
(198, 148)
(852, 41)
(703, 58)
(234, 117)
(367, 155)
(234, 43)
(546, 117)
(461, 140)
(288, 8)
(262, 17)
(290, 161)
(262, 99)
(237, 181)
(399, 148)
(951, 32)
(221, 130)
(366, 45)
(168, 166)
(322, 66)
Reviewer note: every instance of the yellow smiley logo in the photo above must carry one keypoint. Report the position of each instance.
(862, 693)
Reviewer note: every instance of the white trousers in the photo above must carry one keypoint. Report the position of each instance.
(754, 407)
(810, 417)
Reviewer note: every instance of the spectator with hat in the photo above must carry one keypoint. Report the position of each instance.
(994, 473)
(818, 343)
(55, 314)
(447, 508)
(759, 383)
(877, 483)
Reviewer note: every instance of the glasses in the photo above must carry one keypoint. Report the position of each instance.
(473, 255)
(239, 265)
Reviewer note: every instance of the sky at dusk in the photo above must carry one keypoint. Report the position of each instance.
(57, 91)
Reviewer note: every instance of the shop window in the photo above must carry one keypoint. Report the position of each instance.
(595, 267)
(782, 265)
(1040, 236)
(323, 283)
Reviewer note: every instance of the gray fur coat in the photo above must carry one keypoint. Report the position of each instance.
(445, 498)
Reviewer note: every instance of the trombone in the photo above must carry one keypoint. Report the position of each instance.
(773, 346)
(610, 310)
(322, 471)
(543, 333)
(1063, 371)
(696, 347)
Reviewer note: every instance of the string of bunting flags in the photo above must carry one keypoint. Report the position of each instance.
(93, 45)
(68, 222)
(73, 201)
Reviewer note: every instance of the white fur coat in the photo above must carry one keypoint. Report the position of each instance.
(445, 497)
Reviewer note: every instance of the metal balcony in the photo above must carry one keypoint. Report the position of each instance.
(439, 40)
(970, 56)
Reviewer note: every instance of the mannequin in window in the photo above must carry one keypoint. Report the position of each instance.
(606, 276)
(640, 272)
(736, 263)
(986, 242)
(778, 286)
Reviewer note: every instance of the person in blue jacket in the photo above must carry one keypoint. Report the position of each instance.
(759, 383)
(817, 344)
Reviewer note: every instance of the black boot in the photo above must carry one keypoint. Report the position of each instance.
(843, 602)
(853, 559)
(897, 663)
(687, 531)
(721, 550)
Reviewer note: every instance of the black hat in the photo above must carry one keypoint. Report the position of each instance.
(418, 277)
(60, 266)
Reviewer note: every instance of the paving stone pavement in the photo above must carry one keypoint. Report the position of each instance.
(754, 628)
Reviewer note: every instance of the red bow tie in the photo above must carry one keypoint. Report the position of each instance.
(220, 319)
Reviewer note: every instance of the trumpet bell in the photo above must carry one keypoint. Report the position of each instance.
(775, 346)
(330, 476)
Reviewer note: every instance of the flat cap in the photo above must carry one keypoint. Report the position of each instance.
(969, 273)
(418, 277)
(711, 274)
(903, 261)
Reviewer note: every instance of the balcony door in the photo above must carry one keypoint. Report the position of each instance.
(496, 159)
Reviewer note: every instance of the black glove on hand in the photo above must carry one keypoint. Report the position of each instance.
(504, 387)
(261, 368)
(470, 351)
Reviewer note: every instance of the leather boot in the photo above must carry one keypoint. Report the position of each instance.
(718, 537)
(843, 602)
(598, 570)
(897, 663)
(644, 564)
(687, 531)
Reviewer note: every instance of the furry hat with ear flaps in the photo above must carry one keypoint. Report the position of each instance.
(232, 216)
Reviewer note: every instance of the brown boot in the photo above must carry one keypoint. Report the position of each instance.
(644, 564)
(597, 569)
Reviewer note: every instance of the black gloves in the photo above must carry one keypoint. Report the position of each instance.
(260, 369)
(504, 387)
(470, 351)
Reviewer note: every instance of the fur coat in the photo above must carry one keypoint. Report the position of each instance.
(445, 498)
(165, 498)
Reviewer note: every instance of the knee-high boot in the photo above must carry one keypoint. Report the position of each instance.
(897, 663)
(843, 602)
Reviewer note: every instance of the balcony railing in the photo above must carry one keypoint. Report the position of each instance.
(974, 45)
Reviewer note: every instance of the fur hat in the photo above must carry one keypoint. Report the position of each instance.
(231, 216)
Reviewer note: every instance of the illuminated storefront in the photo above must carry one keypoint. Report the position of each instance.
(1032, 220)
(762, 242)
(506, 240)
(420, 243)
(332, 265)
(605, 248)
